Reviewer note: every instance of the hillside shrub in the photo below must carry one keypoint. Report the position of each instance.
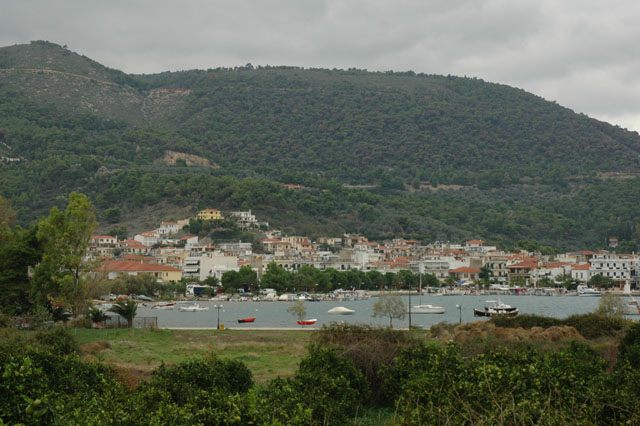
(59, 340)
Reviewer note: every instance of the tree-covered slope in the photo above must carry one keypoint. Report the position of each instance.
(520, 167)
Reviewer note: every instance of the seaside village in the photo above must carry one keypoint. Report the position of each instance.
(169, 255)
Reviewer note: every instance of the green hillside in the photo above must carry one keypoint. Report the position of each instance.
(508, 165)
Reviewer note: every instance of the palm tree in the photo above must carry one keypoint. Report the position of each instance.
(96, 315)
(126, 310)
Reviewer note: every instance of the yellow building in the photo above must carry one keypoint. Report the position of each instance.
(210, 214)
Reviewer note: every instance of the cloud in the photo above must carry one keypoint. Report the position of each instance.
(582, 55)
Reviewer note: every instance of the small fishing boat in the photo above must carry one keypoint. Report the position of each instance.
(193, 308)
(164, 306)
(307, 322)
(427, 309)
(340, 310)
(497, 309)
(245, 320)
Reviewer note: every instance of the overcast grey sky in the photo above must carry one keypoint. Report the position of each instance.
(585, 54)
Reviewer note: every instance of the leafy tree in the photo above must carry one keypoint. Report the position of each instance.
(276, 277)
(126, 309)
(389, 305)
(231, 280)
(600, 281)
(611, 305)
(65, 237)
(112, 215)
(19, 250)
(298, 310)
(211, 280)
(247, 278)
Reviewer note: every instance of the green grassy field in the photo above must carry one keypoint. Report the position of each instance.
(267, 353)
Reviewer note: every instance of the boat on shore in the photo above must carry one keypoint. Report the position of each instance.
(340, 310)
(307, 321)
(246, 320)
(586, 291)
(427, 309)
(497, 309)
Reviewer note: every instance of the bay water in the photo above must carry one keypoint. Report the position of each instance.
(275, 315)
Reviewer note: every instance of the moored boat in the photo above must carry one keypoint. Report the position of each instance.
(165, 306)
(497, 309)
(584, 290)
(193, 308)
(427, 309)
(307, 321)
(245, 320)
(340, 310)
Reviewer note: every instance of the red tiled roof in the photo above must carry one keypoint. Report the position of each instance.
(465, 269)
(556, 264)
(524, 265)
(102, 236)
(583, 267)
(479, 242)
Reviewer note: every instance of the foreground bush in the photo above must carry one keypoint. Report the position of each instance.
(370, 349)
(438, 386)
(591, 326)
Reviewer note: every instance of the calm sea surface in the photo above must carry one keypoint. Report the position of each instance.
(275, 315)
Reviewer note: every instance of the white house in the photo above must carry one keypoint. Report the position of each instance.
(168, 228)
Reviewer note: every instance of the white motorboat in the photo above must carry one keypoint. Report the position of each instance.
(427, 309)
(584, 290)
(340, 310)
(193, 308)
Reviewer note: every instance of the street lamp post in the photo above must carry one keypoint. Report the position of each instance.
(217, 308)
(459, 306)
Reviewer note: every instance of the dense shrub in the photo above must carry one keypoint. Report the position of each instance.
(281, 403)
(59, 340)
(330, 385)
(506, 386)
(591, 325)
(594, 325)
(369, 348)
(182, 381)
(525, 321)
(630, 347)
(40, 386)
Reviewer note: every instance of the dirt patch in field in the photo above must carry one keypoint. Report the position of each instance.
(95, 347)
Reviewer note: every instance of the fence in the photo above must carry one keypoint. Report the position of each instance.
(116, 321)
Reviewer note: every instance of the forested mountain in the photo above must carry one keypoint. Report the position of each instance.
(381, 153)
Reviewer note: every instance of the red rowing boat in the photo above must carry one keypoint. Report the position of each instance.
(307, 322)
(242, 320)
